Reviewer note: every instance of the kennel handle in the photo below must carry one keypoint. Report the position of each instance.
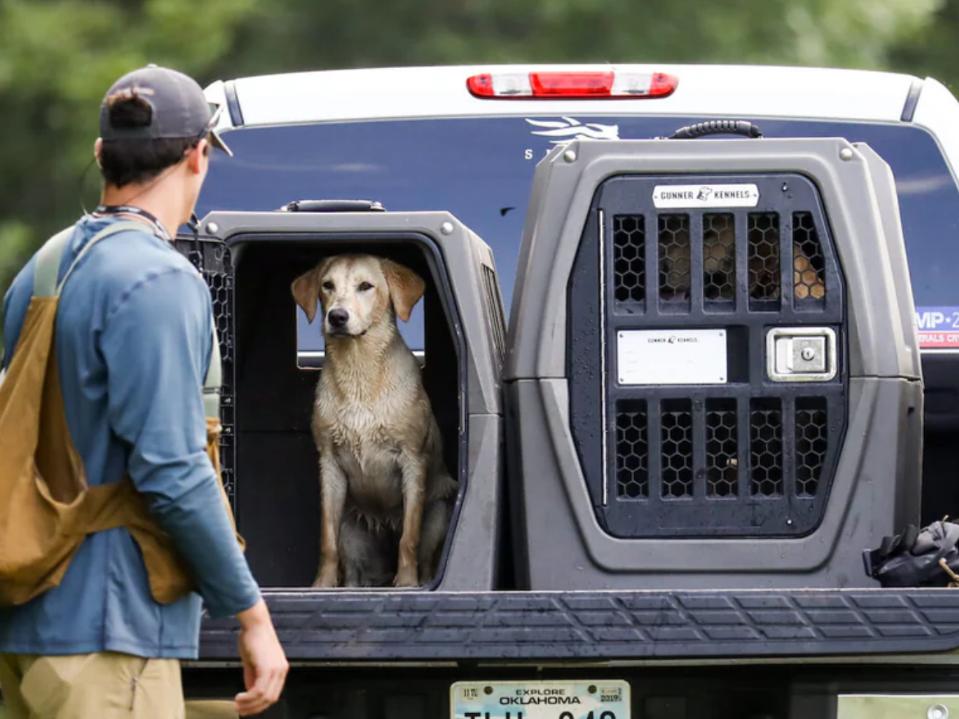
(717, 127)
(333, 206)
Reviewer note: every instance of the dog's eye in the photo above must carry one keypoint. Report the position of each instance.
(328, 286)
(364, 286)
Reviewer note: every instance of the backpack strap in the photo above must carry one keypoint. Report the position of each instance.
(114, 228)
(48, 263)
(50, 255)
(45, 285)
(45, 272)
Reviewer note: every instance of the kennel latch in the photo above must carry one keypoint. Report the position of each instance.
(801, 354)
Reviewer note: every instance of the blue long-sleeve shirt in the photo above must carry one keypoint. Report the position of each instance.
(133, 343)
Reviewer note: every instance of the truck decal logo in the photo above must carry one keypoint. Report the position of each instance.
(569, 128)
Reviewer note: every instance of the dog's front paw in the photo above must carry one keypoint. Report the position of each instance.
(326, 579)
(406, 577)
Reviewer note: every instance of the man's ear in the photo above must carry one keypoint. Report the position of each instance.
(98, 151)
(196, 157)
(406, 287)
(306, 292)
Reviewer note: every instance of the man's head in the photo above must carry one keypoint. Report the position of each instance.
(156, 126)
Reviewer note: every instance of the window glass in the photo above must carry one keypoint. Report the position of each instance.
(480, 169)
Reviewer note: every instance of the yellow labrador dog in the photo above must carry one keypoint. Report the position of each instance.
(386, 493)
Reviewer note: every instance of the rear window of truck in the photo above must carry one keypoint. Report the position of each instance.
(481, 169)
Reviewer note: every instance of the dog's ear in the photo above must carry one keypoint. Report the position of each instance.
(306, 291)
(406, 287)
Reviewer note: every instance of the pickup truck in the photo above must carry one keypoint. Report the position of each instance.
(456, 147)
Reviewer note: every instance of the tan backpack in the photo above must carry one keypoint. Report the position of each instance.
(46, 506)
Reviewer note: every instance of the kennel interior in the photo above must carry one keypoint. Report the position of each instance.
(715, 353)
(272, 363)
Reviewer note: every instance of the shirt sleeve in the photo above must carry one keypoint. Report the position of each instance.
(15, 309)
(156, 344)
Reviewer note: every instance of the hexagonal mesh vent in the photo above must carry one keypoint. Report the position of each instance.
(809, 264)
(811, 444)
(676, 252)
(722, 448)
(629, 258)
(674, 259)
(676, 449)
(221, 290)
(766, 447)
(763, 237)
(632, 451)
(215, 263)
(719, 257)
(683, 454)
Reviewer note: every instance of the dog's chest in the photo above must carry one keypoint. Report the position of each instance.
(368, 453)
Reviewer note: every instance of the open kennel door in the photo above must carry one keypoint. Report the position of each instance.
(712, 370)
(249, 260)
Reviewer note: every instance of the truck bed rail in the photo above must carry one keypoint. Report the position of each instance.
(379, 626)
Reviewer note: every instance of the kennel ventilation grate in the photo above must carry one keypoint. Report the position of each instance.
(741, 456)
(629, 257)
(213, 260)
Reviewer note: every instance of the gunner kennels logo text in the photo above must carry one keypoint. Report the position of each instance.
(705, 196)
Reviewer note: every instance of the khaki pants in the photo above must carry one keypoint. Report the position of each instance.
(105, 685)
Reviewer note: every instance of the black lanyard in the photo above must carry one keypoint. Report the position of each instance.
(158, 228)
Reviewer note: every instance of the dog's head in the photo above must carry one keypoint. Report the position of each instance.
(357, 292)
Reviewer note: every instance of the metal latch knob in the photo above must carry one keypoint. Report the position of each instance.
(801, 354)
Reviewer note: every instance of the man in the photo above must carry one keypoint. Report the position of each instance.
(133, 341)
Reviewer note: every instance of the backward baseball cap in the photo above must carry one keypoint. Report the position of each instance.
(179, 108)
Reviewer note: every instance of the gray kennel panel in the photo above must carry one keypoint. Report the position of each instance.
(631, 473)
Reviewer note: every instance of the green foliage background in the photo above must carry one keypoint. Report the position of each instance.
(58, 56)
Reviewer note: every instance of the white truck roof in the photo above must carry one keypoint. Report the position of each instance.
(725, 91)
(703, 90)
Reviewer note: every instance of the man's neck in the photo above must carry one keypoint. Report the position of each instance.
(150, 201)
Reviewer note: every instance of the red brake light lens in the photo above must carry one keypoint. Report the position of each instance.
(571, 85)
(662, 85)
(481, 85)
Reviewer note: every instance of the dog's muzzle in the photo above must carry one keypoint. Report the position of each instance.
(337, 319)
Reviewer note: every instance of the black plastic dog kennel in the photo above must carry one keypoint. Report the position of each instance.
(269, 458)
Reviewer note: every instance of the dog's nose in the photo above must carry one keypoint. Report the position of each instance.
(338, 318)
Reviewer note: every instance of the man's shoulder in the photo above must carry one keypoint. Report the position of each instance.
(136, 251)
(132, 259)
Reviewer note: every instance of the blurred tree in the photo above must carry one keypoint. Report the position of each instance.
(56, 60)
(303, 34)
(58, 56)
(933, 52)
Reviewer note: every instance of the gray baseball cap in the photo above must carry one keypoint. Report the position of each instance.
(180, 110)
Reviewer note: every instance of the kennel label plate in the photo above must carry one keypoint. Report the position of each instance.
(745, 195)
(540, 700)
(671, 357)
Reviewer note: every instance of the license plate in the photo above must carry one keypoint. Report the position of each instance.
(540, 700)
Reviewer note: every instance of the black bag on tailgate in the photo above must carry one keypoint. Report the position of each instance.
(925, 557)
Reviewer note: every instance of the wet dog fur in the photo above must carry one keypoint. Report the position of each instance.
(385, 491)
